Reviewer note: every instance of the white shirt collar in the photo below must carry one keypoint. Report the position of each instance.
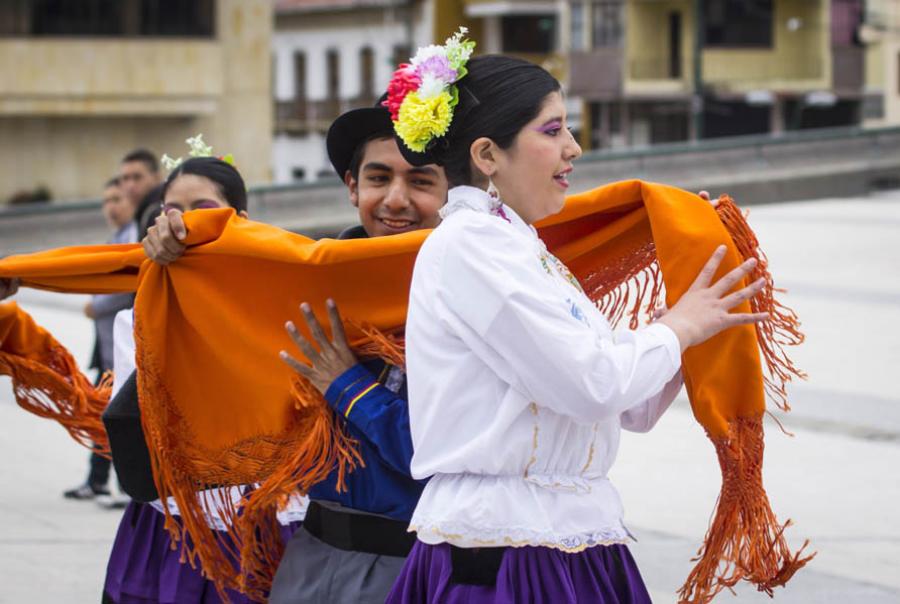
(473, 198)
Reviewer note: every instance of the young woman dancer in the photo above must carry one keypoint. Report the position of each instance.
(143, 566)
(518, 387)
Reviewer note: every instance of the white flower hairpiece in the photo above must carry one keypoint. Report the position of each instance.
(198, 148)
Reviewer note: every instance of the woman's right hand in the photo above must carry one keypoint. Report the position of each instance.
(703, 310)
(8, 287)
(163, 243)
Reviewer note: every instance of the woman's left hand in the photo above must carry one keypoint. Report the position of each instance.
(332, 357)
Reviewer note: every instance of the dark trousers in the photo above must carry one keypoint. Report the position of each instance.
(98, 475)
(99, 466)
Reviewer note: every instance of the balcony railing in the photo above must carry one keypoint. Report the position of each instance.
(301, 116)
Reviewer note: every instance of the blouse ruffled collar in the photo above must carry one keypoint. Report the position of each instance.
(465, 197)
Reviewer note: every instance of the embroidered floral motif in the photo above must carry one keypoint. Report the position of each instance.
(576, 312)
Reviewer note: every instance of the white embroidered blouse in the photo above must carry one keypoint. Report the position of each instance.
(518, 388)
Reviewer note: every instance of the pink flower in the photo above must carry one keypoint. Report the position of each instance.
(404, 81)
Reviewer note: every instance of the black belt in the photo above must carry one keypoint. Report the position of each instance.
(475, 566)
(359, 532)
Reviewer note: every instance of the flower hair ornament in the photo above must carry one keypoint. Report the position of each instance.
(422, 94)
(198, 148)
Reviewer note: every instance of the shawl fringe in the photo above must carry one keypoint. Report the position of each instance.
(245, 557)
(745, 540)
(53, 387)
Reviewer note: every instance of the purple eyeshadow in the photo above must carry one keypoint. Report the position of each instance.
(555, 124)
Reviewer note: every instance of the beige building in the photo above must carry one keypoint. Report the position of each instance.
(80, 87)
(656, 71)
(881, 34)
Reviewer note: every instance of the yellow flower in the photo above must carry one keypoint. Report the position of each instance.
(421, 120)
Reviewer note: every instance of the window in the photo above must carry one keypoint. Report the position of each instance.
(606, 23)
(740, 23)
(300, 76)
(529, 33)
(367, 72)
(177, 18)
(401, 54)
(576, 25)
(333, 70)
(107, 18)
(75, 18)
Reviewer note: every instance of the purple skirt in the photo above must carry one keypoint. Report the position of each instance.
(144, 568)
(600, 575)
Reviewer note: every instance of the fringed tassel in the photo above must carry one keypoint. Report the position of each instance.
(745, 542)
(325, 446)
(628, 288)
(56, 389)
(389, 347)
(190, 532)
(318, 445)
(783, 328)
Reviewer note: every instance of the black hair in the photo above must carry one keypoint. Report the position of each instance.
(112, 182)
(225, 176)
(145, 157)
(360, 151)
(497, 98)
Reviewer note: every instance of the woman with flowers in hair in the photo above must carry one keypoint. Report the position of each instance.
(518, 388)
(144, 564)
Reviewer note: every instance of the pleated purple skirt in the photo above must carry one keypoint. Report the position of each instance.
(144, 568)
(538, 575)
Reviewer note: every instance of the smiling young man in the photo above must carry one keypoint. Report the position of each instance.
(353, 544)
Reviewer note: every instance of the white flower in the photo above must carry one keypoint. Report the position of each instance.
(431, 86)
(168, 163)
(426, 52)
(198, 147)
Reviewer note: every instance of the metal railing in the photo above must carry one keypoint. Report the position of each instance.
(301, 116)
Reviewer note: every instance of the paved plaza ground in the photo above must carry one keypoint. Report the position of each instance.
(838, 477)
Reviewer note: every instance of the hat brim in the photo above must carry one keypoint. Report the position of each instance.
(352, 129)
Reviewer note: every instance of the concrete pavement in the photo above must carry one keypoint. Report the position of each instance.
(837, 477)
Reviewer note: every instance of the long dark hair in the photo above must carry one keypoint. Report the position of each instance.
(226, 177)
(497, 98)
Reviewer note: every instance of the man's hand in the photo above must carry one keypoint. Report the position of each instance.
(89, 311)
(8, 287)
(163, 243)
(332, 358)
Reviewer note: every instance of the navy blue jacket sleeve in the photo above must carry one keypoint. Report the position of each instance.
(380, 414)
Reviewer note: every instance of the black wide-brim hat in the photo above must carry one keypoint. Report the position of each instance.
(353, 128)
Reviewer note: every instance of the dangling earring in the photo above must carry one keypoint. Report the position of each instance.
(494, 193)
(492, 190)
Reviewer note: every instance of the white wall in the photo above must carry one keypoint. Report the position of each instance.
(307, 152)
(316, 34)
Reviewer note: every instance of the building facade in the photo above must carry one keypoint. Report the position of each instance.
(85, 81)
(881, 35)
(656, 71)
(331, 56)
(334, 55)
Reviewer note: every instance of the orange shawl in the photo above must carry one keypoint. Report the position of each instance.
(219, 407)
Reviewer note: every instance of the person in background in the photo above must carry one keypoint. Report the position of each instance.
(119, 214)
(141, 183)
